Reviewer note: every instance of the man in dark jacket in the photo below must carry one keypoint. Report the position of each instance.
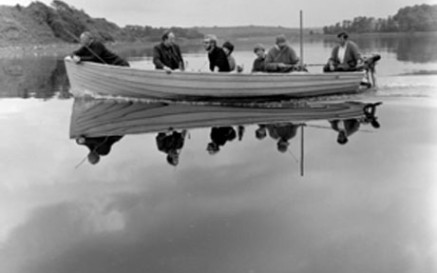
(218, 61)
(94, 51)
(167, 55)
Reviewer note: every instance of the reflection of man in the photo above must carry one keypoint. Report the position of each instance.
(345, 56)
(261, 132)
(98, 146)
(345, 128)
(281, 57)
(167, 55)
(218, 61)
(94, 51)
(282, 132)
(219, 136)
(171, 143)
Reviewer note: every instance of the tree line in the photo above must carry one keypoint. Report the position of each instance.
(408, 19)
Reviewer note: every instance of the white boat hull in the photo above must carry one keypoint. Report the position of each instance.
(100, 79)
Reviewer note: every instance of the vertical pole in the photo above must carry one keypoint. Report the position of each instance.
(301, 38)
(301, 150)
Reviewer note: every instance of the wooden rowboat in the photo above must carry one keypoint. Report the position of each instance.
(99, 79)
(102, 117)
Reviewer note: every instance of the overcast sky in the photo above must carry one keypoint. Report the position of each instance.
(186, 13)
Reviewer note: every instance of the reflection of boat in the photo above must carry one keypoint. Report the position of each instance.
(157, 84)
(93, 117)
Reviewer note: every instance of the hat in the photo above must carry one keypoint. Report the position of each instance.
(343, 34)
(281, 39)
(229, 46)
(258, 47)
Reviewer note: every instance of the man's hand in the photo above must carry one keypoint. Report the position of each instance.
(331, 65)
(76, 59)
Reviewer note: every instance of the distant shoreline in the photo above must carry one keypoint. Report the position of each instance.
(64, 48)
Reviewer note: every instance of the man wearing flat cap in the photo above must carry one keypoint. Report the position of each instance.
(345, 56)
(281, 57)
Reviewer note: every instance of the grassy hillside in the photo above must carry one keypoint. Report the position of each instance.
(17, 26)
(61, 23)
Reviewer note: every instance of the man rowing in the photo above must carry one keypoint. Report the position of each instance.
(167, 55)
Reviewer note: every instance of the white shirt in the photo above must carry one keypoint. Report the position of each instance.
(341, 52)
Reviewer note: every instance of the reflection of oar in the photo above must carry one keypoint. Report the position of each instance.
(301, 151)
(80, 163)
(327, 127)
(292, 155)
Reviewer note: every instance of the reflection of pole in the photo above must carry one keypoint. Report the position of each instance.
(301, 38)
(301, 150)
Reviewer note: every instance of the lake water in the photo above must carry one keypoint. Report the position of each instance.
(367, 206)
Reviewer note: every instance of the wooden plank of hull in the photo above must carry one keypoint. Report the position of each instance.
(93, 118)
(130, 82)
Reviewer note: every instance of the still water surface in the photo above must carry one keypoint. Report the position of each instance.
(367, 206)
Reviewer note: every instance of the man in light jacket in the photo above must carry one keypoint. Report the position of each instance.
(345, 56)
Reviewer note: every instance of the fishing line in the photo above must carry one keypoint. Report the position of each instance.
(295, 158)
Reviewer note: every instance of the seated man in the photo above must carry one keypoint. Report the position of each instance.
(167, 55)
(94, 51)
(345, 56)
(281, 57)
(228, 48)
(218, 61)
